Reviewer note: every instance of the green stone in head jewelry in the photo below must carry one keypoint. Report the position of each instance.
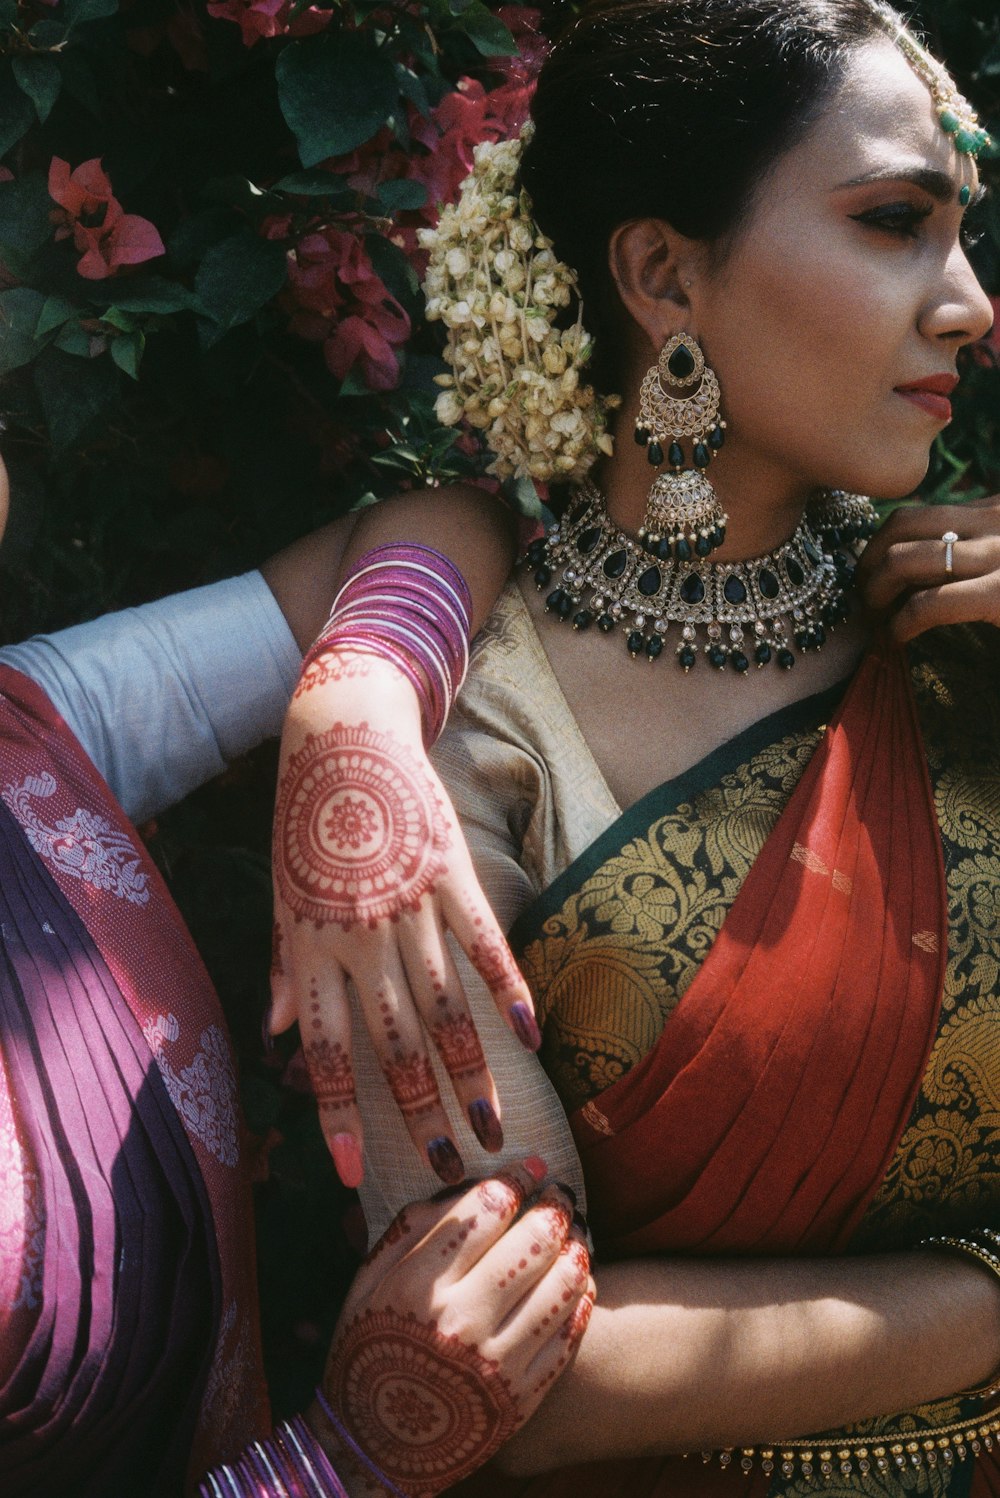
(955, 114)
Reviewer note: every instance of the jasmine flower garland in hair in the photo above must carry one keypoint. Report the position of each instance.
(494, 281)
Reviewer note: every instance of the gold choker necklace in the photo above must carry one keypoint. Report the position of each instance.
(760, 610)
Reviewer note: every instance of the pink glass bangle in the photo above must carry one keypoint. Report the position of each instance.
(420, 559)
(411, 606)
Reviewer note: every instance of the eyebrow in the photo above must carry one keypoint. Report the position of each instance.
(938, 185)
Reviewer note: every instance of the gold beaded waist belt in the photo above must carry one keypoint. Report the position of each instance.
(880, 1453)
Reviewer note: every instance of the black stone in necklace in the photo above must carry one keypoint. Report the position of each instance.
(756, 611)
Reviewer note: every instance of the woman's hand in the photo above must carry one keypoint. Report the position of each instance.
(370, 871)
(457, 1325)
(903, 567)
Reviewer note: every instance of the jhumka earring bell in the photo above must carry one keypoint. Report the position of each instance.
(841, 519)
(684, 518)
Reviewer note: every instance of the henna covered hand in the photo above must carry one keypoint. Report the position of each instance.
(903, 567)
(370, 871)
(456, 1327)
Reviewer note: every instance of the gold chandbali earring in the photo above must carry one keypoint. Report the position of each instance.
(841, 519)
(684, 518)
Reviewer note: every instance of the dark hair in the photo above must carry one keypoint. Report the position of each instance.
(675, 109)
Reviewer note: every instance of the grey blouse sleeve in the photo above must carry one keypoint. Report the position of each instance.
(163, 696)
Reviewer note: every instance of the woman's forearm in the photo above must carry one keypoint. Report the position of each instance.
(697, 1355)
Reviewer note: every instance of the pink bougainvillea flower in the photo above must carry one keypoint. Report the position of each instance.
(102, 231)
(85, 190)
(336, 298)
(265, 18)
(369, 344)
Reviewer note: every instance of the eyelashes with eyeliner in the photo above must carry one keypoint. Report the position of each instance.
(905, 219)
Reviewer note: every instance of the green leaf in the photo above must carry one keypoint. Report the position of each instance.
(17, 113)
(78, 12)
(412, 87)
(316, 184)
(335, 92)
(154, 294)
(19, 311)
(54, 313)
(237, 278)
(127, 353)
(394, 268)
(73, 340)
(488, 35)
(25, 225)
(115, 318)
(74, 394)
(47, 34)
(395, 197)
(40, 79)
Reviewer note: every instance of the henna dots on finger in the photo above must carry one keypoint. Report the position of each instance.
(360, 830)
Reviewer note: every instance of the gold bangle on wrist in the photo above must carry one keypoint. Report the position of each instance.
(982, 1245)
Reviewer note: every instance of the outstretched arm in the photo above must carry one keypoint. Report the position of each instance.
(372, 872)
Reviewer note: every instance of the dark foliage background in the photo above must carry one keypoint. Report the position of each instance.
(211, 340)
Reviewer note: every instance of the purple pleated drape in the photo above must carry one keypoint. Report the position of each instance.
(105, 1396)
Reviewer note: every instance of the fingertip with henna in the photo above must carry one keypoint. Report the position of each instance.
(347, 1159)
(445, 1160)
(525, 1025)
(486, 1125)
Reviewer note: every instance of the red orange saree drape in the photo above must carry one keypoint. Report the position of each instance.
(764, 1118)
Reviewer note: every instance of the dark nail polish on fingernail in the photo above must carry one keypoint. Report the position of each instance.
(445, 1160)
(486, 1125)
(525, 1025)
(579, 1221)
(566, 1190)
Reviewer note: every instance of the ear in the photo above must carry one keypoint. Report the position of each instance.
(652, 266)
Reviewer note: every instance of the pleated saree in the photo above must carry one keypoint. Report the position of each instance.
(129, 1346)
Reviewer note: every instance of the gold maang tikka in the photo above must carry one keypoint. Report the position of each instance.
(956, 115)
(680, 397)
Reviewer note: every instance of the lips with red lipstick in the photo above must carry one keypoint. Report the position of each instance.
(931, 394)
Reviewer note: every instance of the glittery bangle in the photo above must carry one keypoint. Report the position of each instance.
(412, 607)
(355, 1450)
(290, 1463)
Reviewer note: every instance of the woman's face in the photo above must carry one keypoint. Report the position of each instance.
(846, 285)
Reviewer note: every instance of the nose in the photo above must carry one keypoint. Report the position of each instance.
(961, 312)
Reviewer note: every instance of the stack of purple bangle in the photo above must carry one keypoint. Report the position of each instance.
(289, 1464)
(411, 606)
